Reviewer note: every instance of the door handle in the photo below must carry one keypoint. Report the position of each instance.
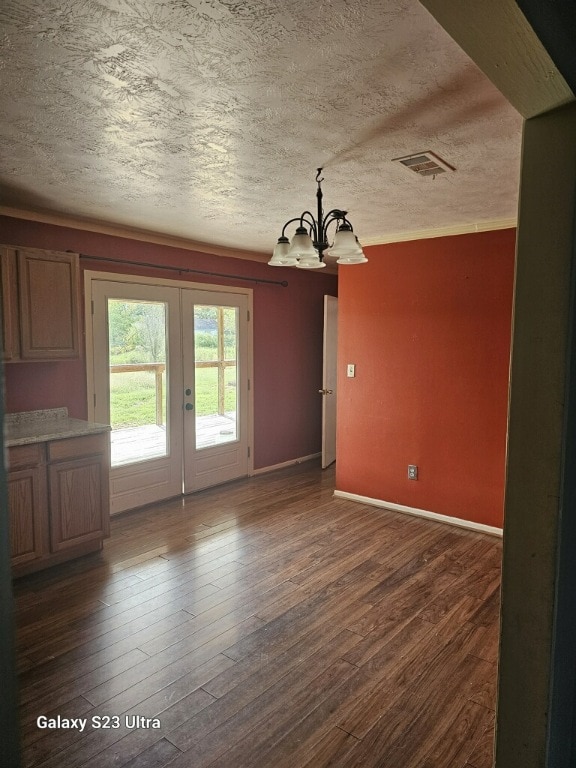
(189, 407)
(326, 391)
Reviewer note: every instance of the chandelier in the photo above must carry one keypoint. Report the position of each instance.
(310, 242)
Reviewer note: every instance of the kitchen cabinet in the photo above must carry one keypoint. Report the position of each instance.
(27, 503)
(40, 300)
(58, 500)
(78, 477)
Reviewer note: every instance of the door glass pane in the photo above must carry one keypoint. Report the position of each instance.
(137, 360)
(216, 371)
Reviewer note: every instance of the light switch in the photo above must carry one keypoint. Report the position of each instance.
(351, 370)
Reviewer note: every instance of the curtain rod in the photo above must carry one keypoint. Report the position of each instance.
(283, 283)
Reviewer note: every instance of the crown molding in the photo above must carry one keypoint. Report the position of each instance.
(157, 238)
(455, 229)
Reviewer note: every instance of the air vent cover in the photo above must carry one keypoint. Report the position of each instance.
(425, 163)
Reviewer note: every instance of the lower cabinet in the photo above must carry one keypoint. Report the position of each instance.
(27, 504)
(58, 500)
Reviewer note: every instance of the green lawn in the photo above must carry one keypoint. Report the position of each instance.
(133, 396)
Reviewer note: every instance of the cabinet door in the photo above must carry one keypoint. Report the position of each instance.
(78, 501)
(48, 294)
(27, 509)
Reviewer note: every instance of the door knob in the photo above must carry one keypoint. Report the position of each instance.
(189, 407)
(326, 391)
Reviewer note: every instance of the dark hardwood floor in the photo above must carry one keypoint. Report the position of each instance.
(265, 623)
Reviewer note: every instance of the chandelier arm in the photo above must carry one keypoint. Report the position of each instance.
(308, 218)
(336, 214)
(290, 221)
(326, 227)
(330, 220)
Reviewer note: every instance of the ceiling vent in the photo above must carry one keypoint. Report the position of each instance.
(425, 164)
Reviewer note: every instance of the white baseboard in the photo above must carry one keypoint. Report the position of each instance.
(492, 530)
(284, 464)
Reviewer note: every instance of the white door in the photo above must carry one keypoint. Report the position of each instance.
(329, 375)
(136, 371)
(169, 369)
(216, 381)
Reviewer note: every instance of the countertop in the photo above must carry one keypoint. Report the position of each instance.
(41, 426)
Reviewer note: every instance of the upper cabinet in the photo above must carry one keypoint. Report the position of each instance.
(40, 297)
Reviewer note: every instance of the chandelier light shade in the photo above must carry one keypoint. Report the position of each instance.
(282, 256)
(310, 241)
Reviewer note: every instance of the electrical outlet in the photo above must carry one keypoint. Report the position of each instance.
(412, 472)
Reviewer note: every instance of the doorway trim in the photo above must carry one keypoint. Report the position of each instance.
(329, 389)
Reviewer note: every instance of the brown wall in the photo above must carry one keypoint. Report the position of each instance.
(287, 337)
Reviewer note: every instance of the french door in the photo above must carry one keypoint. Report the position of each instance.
(216, 380)
(169, 369)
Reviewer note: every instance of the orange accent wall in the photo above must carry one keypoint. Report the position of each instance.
(287, 336)
(427, 324)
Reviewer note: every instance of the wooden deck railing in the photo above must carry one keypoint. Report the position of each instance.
(158, 369)
(221, 365)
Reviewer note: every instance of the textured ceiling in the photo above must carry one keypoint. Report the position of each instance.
(207, 119)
